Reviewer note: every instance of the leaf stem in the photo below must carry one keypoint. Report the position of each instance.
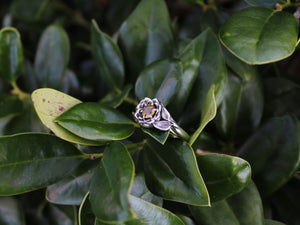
(131, 101)
(17, 91)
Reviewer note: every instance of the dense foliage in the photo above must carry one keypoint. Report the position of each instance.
(72, 73)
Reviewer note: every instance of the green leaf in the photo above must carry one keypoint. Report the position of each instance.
(85, 214)
(146, 36)
(275, 143)
(175, 164)
(158, 135)
(115, 99)
(260, 35)
(11, 54)
(11, 212)
(212, 71)
(273, 222)
(71, 190)
(218, 214)
(108, 58)
(139, 189)
(186, 220)
(190, 57)
(159, 80)
(10, 105)
(244, 208)
(31, 161)
(245, 71)
(241, 110)
(247, 206)
(150, 214)
(111, 184)
(49, 104)
(61, 214)
(96, 122)
(208, 112)
(264, 3)
(223, 175)
(212, 18)
(52, 57)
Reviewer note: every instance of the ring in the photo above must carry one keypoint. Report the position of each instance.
(152, 113)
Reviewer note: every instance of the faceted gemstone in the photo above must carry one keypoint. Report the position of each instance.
(148, 111)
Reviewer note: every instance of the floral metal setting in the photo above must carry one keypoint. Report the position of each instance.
(152, 113)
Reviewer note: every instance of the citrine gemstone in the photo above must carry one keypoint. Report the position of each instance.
(148, 111)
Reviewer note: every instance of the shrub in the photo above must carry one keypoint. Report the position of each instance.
(72, 151)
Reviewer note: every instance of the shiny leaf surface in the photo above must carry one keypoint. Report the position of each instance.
(260, 35)
(223, 175)
(31, 161)
(158, 135)
(11, 54)
(148, 25)
(275, 143)
(108, 57)
(208, 113)
(52, 57)
(242, 108)
(49, 104)
(115, 99)
(111, 184)
(95, 122)
(244, 208)
(71, 190)
(159, 80)
(171, 172)
(212, 71)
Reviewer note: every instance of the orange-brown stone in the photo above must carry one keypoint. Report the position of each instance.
(148, 111)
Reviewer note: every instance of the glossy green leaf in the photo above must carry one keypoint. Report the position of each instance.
(139, 189)
(281, 97)
(245, 71)
(95, 122)
(158, 135)
(286, 202)
(31, 161)
(11, 212)
(159, 80)
(71, 190)
(208, 113)
(111, 184)
(212, 18)
(218, 214)
(273, 222)
(25, 121)
(52, 57)
(273, 153)
(264, 3)
(10, 105)
(115, 99)
(11, 54)
(85, 214)
(190, 57)
(49, 104)
(108, 58)
(146, 36)
(260, 35)
(223, 175)
(244, 208)
(186, 220)
(171, 172)
(242, 108)
(212, 71)
(150, 214)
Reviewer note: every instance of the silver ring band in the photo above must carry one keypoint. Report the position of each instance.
(152, 113)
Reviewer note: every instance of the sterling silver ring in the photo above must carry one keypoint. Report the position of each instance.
(152, 113)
